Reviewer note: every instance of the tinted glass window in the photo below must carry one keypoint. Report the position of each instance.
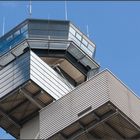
(24, 28)
(78, 36)
(9, 38)
(84, 42)
(17, 33)
(72, 31)
(91, 48)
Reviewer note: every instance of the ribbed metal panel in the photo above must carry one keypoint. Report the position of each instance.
(100, 89)
(30, 66)
(47, 78)
(134, 106)
(118, 94)
(123, 98)
(14, 74)
(63, 112)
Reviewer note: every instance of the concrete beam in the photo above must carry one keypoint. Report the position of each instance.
(24, 102)
(30, 98)
(132, 123)
(4, 114)
(93, 125)
(137, 136)
(96, 116)
(115, 132)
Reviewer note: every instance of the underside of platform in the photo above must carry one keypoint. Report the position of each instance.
(27, 84)
(21, 106)
(106, 122)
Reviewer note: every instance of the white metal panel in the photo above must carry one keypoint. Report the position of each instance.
(43, 85)
(60, 46)
(49, 74)
(13, 80)
(14, 74)
(123, 98)
(47, 78)
(31, 66)
(118, 94)
(64, 111)
(17, 73)
(13, 65)
(134, 106)
(47, 82)
(98, 90)
(14, 86)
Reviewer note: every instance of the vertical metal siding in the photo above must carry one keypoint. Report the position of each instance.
(47, 78)
(64, 111)
(14, 74)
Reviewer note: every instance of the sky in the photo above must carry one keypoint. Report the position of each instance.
(113, 26)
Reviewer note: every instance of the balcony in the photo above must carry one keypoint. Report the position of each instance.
(27, 84)
(101, 108)
(30, 67)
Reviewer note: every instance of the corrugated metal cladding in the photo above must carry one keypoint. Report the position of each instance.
(100, 89)
(14, 74)
(30, 66)
(124, 99)
(47, 78)
(63, 112)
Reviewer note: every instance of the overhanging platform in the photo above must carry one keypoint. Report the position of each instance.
(101, 108)
(53, 52)
(27, 84)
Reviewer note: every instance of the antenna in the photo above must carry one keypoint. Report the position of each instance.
(66, 14)
(30, 8)
(3, 26)
(87, 31)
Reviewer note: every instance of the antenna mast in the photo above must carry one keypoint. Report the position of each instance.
(66, 14)
(30, 8)
(3, 26)
(87, 31)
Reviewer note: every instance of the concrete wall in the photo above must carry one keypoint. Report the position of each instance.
(30, 130)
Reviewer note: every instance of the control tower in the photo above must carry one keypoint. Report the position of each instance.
(51, 87)
(40, 62)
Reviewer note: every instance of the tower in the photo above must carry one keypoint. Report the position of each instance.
(51, 87)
